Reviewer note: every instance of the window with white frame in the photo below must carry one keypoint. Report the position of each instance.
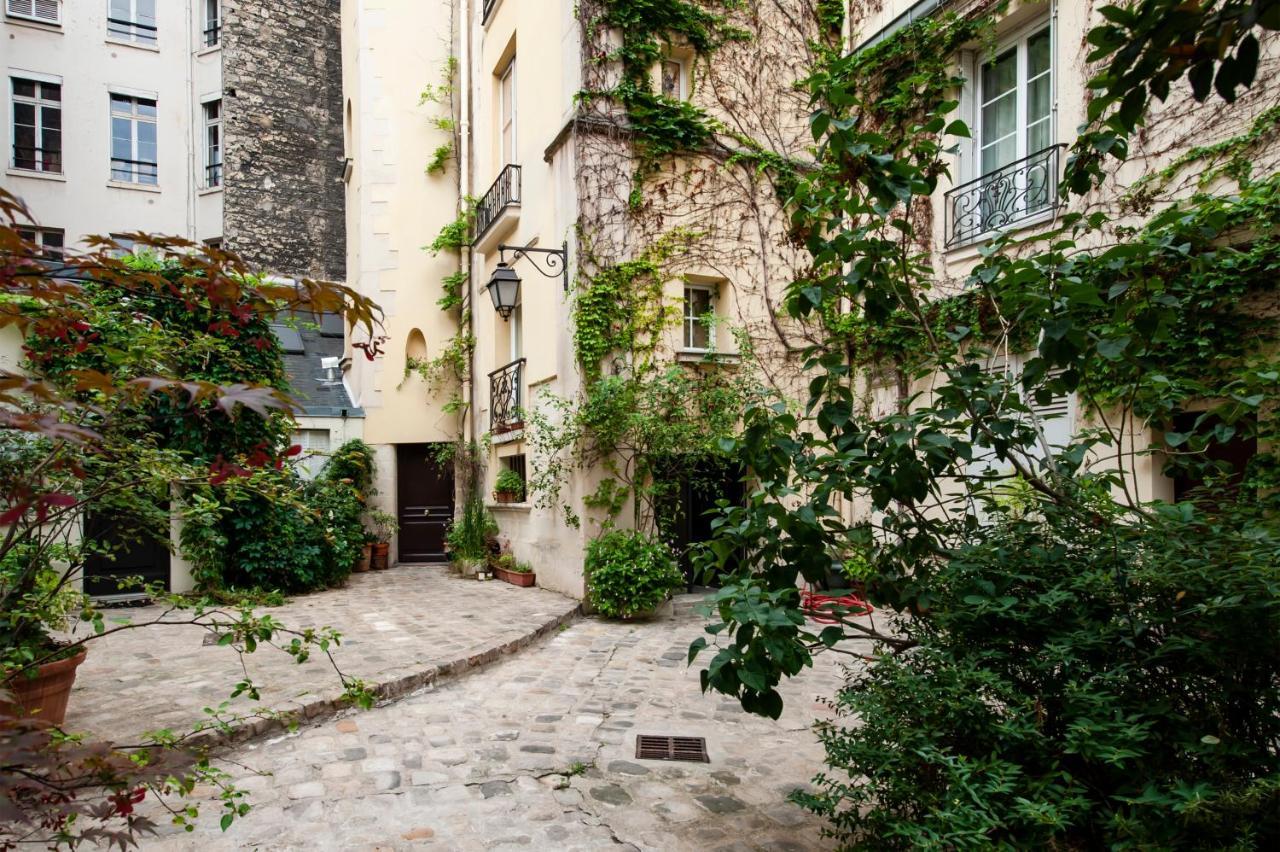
(123, 245)
(45, 11)
(37, 125)
(213, 143)
(671, 79)
(51, 241)
(134, 155)
(212, 34)
(1053, 420)
(507, 111)
(1016, 159)
(315, 450)
(132, 20)
(699, 325)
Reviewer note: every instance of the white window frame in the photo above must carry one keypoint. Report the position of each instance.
(211, 25)
(39, 235)
(41, 105)
(131, 29)
(1056, 421)
(691, 320)
(682, 82)
(135, 173)
(14, 9)
(315, 452)
(1018, 41)
(209, 125)
(507, 127)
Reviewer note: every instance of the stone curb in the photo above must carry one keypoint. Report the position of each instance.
(313, 710)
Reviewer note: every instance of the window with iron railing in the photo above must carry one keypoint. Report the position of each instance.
(213, 143)
(504, 193)
(132, 20)
(134, 154)
(37, 125)
(1022, 190)
(506, 396)
(212, 22)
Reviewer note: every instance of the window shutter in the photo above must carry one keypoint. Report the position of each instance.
(38, 10)
(47, 10)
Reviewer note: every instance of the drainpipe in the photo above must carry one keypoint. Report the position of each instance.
(470, 430)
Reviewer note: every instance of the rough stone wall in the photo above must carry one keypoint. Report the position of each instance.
(283, 120)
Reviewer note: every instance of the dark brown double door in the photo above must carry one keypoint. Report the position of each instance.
(424, 489)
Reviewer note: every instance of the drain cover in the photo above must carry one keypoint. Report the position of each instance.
(663, 747)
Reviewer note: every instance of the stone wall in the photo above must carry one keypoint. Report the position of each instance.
(282, 82)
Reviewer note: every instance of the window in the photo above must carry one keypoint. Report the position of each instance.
(1015, 155)
(133, 140)
(212, 22)
(315, 450)
(124, 245)
(50, 240)
(672, 72)
(132, 20)
(47, 11)
(1052, 419)
(213, 143)
(699, 329)
(517, 464)
(37, 125)
(507, 105)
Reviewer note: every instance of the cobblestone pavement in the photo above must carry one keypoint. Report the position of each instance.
(402, 628)
(485, 762)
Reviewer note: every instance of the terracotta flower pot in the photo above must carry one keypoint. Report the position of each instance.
(515, 578)
(44, 696)
(380, 551)
(366, 556)
(507, 496)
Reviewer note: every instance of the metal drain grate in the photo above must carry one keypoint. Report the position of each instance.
(661, 747)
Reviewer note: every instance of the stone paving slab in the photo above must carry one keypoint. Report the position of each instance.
(403, 629)
(538, 753)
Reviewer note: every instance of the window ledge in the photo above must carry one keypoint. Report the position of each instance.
(57, 177)
(35, 25)
(208, 49)
(523, 508)
(136, 187)
(209, 190)
(150, 48)
(700, 356)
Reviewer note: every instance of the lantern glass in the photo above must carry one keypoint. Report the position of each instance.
(504, 289)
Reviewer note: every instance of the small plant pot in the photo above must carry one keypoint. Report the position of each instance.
(365, 560)
(507, 496)
(516, 578)
(45, 696)
(380, 553)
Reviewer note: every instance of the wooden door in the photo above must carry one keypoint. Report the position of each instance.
(424, 489)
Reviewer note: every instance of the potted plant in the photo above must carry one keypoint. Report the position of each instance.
(36, 670)
(513, 571)
(385, 526)
(508, 487)
(629, 574)
(366, 554)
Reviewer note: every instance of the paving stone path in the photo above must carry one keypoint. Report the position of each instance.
(538, 753)
(402, 628)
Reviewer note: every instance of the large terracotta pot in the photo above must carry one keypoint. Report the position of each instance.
(366, 555)
(381, 550)
(515, 578)
(44, 696)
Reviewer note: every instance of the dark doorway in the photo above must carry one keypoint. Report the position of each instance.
(1224, 461)
(424, 489)
(130, 551)
(692, 504)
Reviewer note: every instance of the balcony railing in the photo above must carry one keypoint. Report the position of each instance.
(1021, 190)
(504, 193)
(131, 30)
(37, 159)
(505, 396)
(134, 171)
(212, 33)
(213, 175)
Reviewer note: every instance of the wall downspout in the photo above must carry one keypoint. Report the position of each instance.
(470, 429)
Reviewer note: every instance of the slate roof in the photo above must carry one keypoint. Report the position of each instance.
(305, 376)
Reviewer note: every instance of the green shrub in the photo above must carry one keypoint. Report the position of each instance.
(469, 535)
(630, 573)
(1080, 682)
(509, 482)
(353, 461)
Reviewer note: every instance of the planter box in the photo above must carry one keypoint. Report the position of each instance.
(507, 496)
(516, 578)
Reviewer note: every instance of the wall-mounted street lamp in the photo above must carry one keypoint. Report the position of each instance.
(504, 284)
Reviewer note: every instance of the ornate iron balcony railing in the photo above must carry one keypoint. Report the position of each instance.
(505, 397)
(504, 193)
(1010, 194)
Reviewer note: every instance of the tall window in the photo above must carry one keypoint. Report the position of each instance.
(213, 143)
(212, 22)
(133, 140)
(132, 20)
(672, 72)
(47, 11)
(699, 331)
(507, 105)
(50, 240)
(37, 125)
(1016, 98)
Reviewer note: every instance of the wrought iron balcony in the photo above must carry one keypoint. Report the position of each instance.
(506, 393)
(1021, 190)
(504, 193)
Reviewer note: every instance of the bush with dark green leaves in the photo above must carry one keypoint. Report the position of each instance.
(1079, 682)
(629, 573)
